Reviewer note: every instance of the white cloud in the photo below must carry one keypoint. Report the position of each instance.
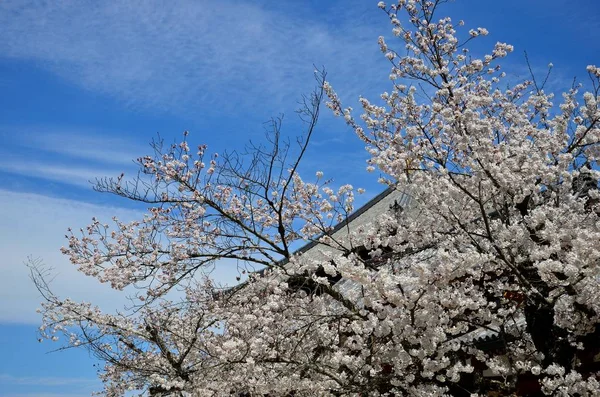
(45, 394)
(35, 225)
(106, 147)
(70, 175)
(192, 55)
(67, 155)
(48, 381)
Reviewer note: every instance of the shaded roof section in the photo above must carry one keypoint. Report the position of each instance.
(370, 204)
(337, 227)
(349, 219)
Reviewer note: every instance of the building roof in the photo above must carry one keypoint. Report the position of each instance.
(354, 216)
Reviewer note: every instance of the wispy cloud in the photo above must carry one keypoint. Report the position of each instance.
(46, 381)
(46, 394)
(108, 147)
(35, 225)
(97, 146)
(68, 156)
(190, 55)
(83, 177)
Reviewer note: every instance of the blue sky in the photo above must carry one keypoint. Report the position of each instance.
(86, 85)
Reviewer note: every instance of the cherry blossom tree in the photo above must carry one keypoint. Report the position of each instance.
(487, 283)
